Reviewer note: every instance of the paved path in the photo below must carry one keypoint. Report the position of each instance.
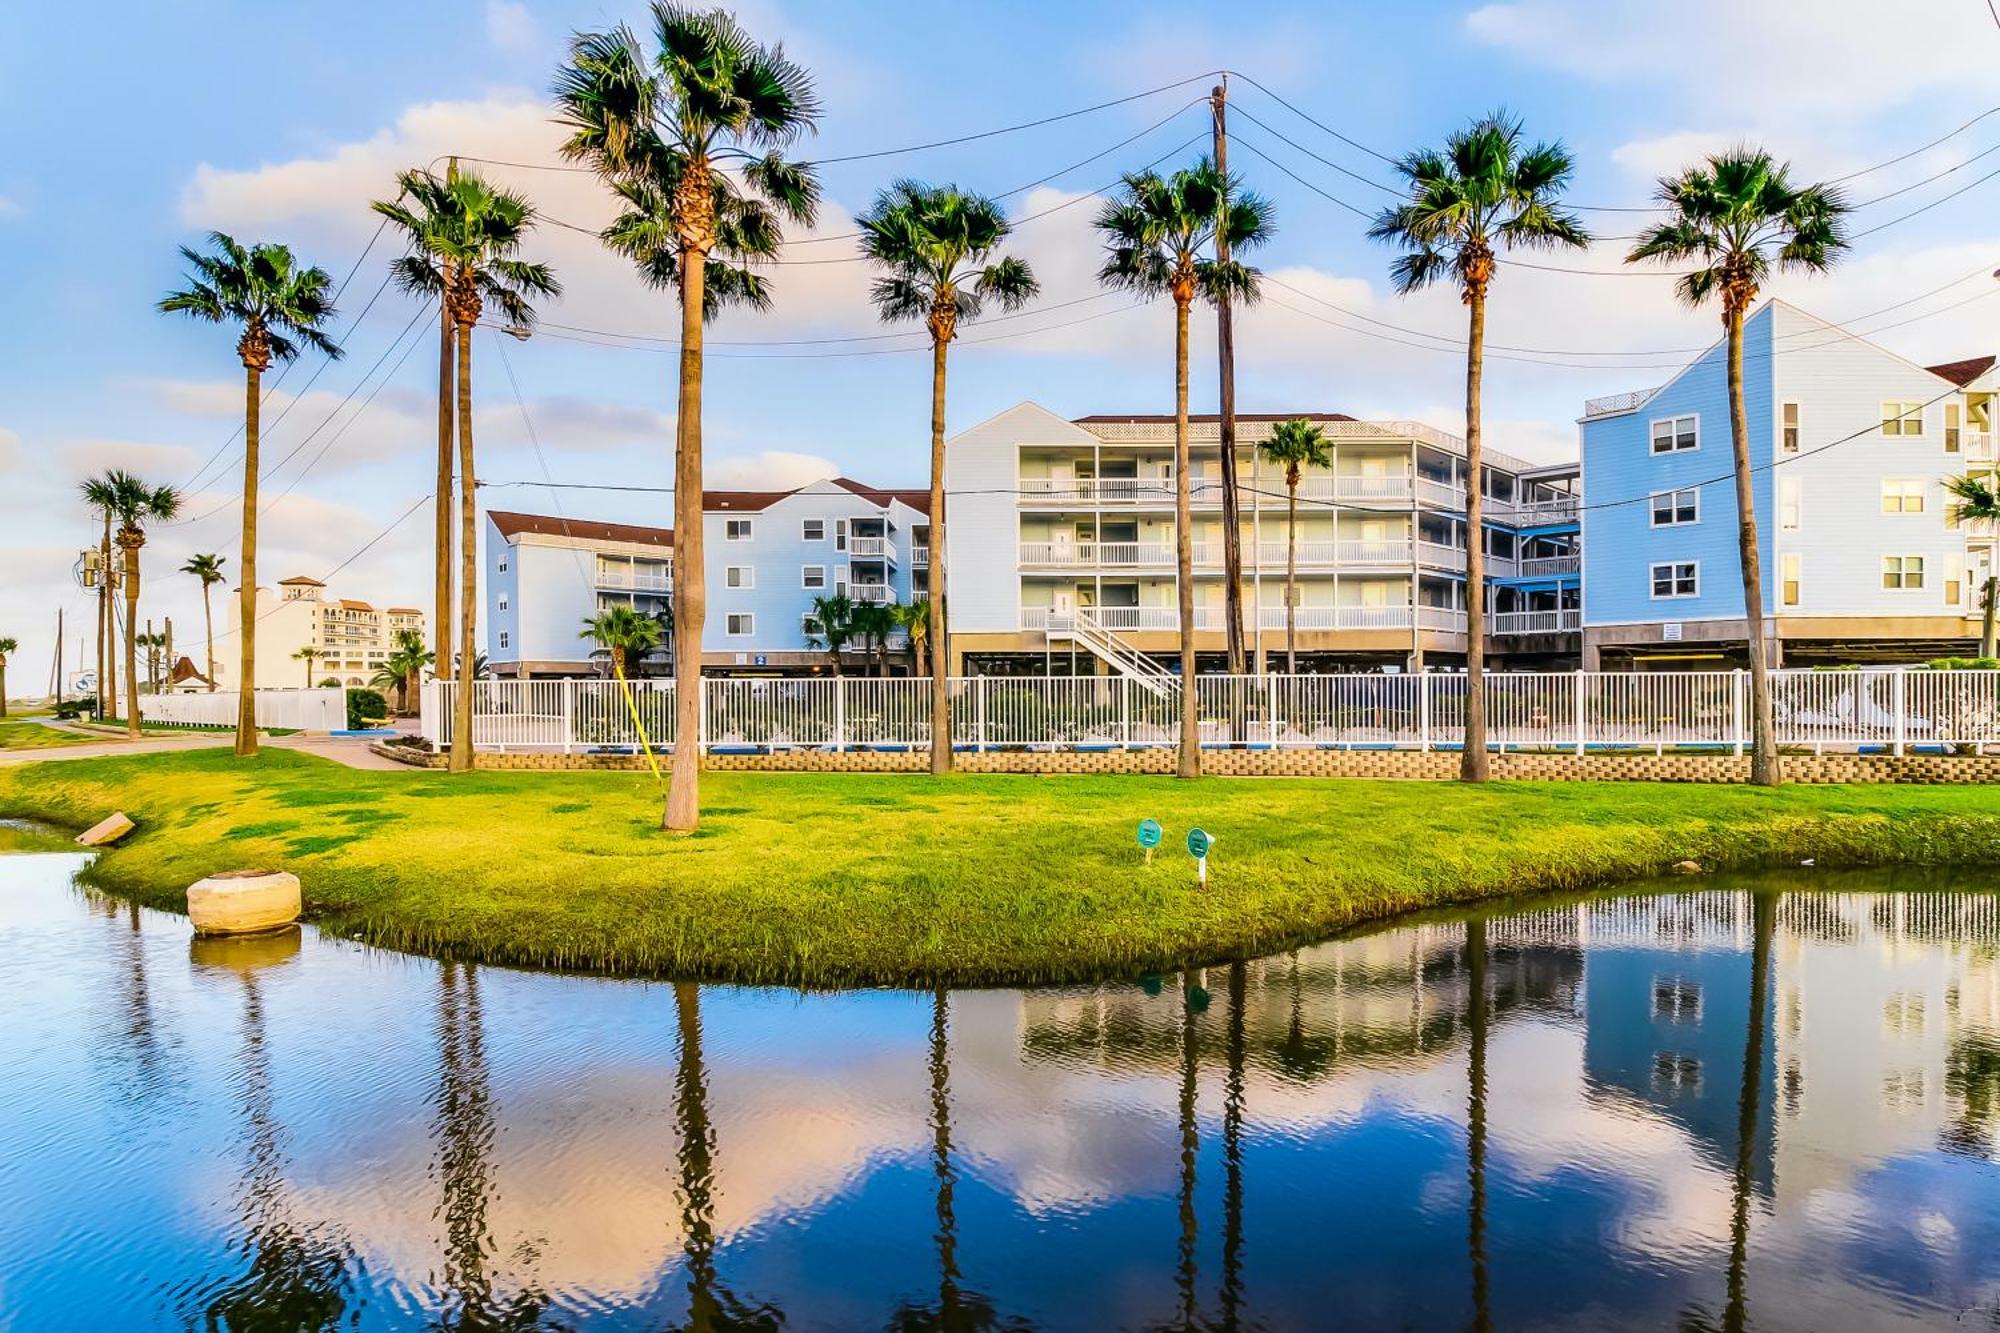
(352, 751)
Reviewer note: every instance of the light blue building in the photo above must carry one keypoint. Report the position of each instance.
(1862, 555)
(769, 554)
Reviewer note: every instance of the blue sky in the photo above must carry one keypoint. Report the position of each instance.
(281, 122)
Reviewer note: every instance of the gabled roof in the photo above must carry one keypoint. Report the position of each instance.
(918, 499)
(511, 525)
(300, 580)
(740, 502)
(185, 670)
(1134, 418)
(349, 604)
(1963, 372)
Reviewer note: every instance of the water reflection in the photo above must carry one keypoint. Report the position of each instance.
(1760, 1105)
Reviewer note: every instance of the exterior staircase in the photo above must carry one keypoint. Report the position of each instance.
(1083, 630)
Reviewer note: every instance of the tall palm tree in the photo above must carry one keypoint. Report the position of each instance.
(623, 631)
(153, 644)
(207, 568)
(935, 244)
(914, 619)
(98, 495)
(690, 136)
(1483, 192)
(280, 307)
(1977, 497)
(835, 617)
(1294, 445)
(134, 504)
(1160, 235)
(308, 655)
(1738, 217)
(400, 669)
(7, 646)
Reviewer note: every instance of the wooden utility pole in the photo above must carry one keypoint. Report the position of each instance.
(59, 691)
(1225, 344)
(170, 654)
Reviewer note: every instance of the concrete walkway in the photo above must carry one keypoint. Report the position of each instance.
(352, 751)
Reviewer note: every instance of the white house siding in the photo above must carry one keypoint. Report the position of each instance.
(983, 516)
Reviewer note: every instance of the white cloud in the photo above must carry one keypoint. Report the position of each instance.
(11, 456)
(773, 470)
(511, 27)
(158, 463)
(1665, 154)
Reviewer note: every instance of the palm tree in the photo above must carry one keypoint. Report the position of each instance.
(1294, 445)
(1483, 192)
(873, 621)
(835, 618)
(471, 235)
(935, 243)
(97, 493)
(11, 646)
(1976, 498)
(400, 669)
(134, 504)
(152, 643)
(308, 655)
(623, 631)
(660, 128)
(914, 619)
(1161, 237)
(1737, 217)
(279, 307)
(207, 568)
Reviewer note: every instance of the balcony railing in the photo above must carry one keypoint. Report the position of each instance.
(635, 580)
(1613, 404)
(920, 557)
(871, 594)
(1550, 566)
(1565, 621)
(1130, 618)
(1979, 447)
(871, 548)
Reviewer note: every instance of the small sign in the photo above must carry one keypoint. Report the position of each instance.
(1149, 832)
(1198, 843)
(1671, 632)
(759, 660)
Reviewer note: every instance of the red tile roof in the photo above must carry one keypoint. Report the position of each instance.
(513, 525)
(917, 499)
(1963, 372)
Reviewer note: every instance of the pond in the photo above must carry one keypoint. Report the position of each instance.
(1769, 1104)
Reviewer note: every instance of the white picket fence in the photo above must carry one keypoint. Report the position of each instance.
(1893, 710)
(322, 709)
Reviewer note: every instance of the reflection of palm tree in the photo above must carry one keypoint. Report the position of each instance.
(139, 1029)
(1232, 1156)
(710, 1305)
(464, 1129)
(1475, 1132)
(1764, 913)
(957, 1310)
(1972, 1081)
(297, 1278)
(1190, 1150)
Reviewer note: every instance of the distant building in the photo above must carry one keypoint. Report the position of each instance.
(1862, 557)
(769, 554)
(353, 638)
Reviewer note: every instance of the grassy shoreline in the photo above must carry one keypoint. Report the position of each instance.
(812, 879)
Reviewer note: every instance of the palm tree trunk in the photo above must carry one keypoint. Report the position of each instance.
(131, 623)
(1188, 762)
(461, 760)
(441, 624)
(246, 595)
(1473, 765)
(934, 582)
(308, 665)
(107, 652)
(208, 629)
(1764, 770)
(683, 810)
(1764, 918)
(1987, 647)
(697, 1160)
(1292, 578)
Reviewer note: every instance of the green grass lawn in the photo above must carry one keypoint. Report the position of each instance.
(826, 879)
(19, 735)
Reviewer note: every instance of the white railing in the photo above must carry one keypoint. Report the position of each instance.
(320, 709)
(1566, 621)
(1979, 447)
(1887, 710)
(634, 580)
(1108, 554)
(1614, 403)
(920, 557)
(871, 594)
(1550, 566)
(871, 548)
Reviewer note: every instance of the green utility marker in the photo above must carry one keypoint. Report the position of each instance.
(1149, 836)
(1199, 841)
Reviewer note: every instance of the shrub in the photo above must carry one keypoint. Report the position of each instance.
(1964, 664)
(366, 708)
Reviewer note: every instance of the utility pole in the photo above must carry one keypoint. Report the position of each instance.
(170, 655)
(58, 692)
(1225, 344)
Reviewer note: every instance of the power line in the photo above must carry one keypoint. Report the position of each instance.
(817, 342)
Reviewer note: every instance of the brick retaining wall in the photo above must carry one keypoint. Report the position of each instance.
(1435, 765)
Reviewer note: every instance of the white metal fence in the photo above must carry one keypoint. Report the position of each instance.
(323, 709)
(1893, 710)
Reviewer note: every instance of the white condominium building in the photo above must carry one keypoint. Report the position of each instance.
(351, 639)
(1061, 541)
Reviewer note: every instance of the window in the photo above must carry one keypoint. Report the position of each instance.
(1676, 579)
(741, 624)
(812, 576)
(503, 601)
(810, 624)
(1902, 418)
(812, 530)
(1677, 999)
(1674, 1072)
(740, 576)
(737, 529)
(503, 638)
(840, 534)
(1789, 594)
(1789, 430)
(1951, 428)
(1902, 495)
(1675, 508)
(1672, 435)
(503, 564)
(1789, 489)
(1902, 572)
(1954, 586)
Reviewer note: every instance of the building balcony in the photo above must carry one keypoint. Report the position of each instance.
(631, 580)
(871, 594)
(920, 557)
(1120, 619)
(1566, 621)
(1550, 566)
(872, 548)
(1980, 447)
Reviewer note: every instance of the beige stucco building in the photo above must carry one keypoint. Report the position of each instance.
(353, 638)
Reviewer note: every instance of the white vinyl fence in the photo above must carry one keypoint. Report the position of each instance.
(301, 710)
(1893, 710)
